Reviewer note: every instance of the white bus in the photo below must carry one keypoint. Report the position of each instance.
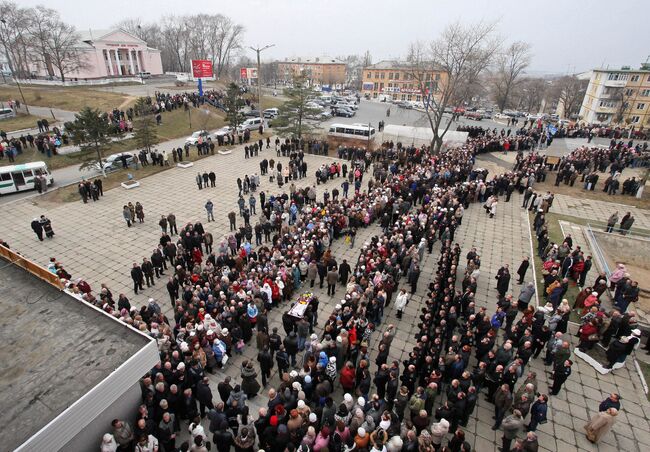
(358, 131)
(21, 177)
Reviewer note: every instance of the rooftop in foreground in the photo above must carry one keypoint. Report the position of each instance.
(55, 350)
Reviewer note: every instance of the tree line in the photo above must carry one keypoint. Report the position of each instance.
(180, 39)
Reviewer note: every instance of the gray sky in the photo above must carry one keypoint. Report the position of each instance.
(566, 36)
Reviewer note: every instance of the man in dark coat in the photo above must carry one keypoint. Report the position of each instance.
(523, 268)
(224, 389)
(266, 363)
(204, 395)
(138, 278)
(37, 227)
(344, 272)
(503, 280)
(147, 269)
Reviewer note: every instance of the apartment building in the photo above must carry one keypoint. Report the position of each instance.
(618, 97)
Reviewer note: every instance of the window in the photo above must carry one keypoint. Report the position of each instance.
(349, 131)
(376, 86)
(382, 75)
(606, 104)
(376, 74)
(390, 85)
(5, 176)
(628, 92)
(396, 75)
(418, 98)
(369, 75)
(640, 106)
(618, 76)
(403, 96)
(634, 78)
(635, 119)
(381, 86)
(645, 93)
(390, 76)
(28, 173)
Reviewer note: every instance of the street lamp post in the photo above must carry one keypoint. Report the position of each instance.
(259, 78)
(22, 96)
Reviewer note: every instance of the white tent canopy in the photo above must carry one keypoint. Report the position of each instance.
(418, 136)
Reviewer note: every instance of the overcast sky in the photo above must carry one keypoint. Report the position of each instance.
(566, 36)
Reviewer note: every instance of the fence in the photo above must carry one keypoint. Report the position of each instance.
(32, 267)
(597, 250)
(85, 82)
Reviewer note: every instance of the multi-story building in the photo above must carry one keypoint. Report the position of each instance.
(618, 96)
(318, 70)
(399, 80)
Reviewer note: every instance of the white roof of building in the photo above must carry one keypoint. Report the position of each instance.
(419, 135)
(313, 60)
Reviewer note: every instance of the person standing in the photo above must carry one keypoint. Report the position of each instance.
(147, 270)
(163, 224)
(251, 202)
(512, 425)
(171, 220)
(46, 224)
(209, 208)
(538, 412)
(503, 280)
(502, 403)
(523, 268)
(611, 222)
(232, 217)
(126, 213)
(37, 227)
(600, 424)
(139, 212)
(199, 181)
(561, 373)
(138, 278)
(265, 359)
(332, 278)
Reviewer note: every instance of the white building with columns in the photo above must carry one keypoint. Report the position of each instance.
(109, 54)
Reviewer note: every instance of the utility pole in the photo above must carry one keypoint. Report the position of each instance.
(4, 24)
(259, 78)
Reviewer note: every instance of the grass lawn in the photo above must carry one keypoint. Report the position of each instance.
(271, 102)
(174, 124)
(68, 98)
(555, 235)
(21, 121)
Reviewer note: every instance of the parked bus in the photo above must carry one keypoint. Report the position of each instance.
(358, 131)
(21, 177)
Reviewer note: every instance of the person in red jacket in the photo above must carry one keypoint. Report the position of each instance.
(588, 336)
(347, 377)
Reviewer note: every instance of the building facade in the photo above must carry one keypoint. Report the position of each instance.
(398, 80)
(618, 97)
(108, 54)
(318, 70)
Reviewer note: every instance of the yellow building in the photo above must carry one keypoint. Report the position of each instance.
(318, 70)
(618, 96)
(397, 79)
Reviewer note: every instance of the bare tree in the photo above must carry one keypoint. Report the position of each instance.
(15, 38)
(62, 49)
(510, 65)
(623, 100)
(528, 95)
(461, 53)
(568, 91)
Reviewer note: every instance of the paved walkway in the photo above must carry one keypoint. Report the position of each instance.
(93, 242)
(590, 209)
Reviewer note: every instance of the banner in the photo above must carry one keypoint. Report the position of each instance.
(202, 69)
(243, 73)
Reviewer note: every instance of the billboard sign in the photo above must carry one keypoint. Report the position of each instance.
(202, 69)
(243, 73)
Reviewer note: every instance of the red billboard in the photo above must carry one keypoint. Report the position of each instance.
(243, 73)
(202, 69)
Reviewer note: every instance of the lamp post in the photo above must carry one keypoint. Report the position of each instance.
(259, 78)
(4, 25)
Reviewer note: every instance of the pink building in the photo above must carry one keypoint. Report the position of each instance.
(109, 54)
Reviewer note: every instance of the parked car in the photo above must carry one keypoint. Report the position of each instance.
(501, 116)
(476, 116)
(271, 112)
(226, 130)
(250, 124)
(344, 112)
(114, 162)
(252, 114)
(193, 139)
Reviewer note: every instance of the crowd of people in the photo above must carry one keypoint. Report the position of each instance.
(222, 295)
(588, 163)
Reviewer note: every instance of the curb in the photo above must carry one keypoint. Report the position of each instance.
(641, 377)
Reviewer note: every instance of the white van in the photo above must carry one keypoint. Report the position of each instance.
(144, 74)
(271, 112)
(250, 124)
(21, 177)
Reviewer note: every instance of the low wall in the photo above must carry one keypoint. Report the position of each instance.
(32, 267)
(84, 82)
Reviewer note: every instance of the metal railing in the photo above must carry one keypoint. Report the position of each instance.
(600, 256)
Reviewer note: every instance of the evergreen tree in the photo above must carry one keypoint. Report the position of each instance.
(144, 126)
(296, 118)
(91, 130)
(233, 103)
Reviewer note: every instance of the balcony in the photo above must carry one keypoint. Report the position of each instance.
(615, 83)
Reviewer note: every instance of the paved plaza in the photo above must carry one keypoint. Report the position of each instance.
(93, 242)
